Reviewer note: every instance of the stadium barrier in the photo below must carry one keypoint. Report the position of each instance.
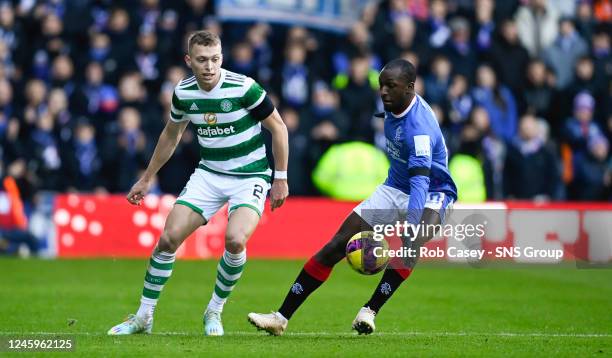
(107, 226)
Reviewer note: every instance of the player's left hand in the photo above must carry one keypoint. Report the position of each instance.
(278, 193)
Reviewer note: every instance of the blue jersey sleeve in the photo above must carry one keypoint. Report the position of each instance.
(419, 165)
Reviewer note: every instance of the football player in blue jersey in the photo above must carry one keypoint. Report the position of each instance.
(418, 189)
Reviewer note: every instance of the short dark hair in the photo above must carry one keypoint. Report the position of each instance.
(203, 38)
(407, 70)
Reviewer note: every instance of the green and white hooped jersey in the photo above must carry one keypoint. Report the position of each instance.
(229, 137)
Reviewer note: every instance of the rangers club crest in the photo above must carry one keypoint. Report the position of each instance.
(385, 289)
(210, 118)
(398, 136)
(226, 105)
(297, 288)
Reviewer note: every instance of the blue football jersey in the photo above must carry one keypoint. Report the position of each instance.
(418, 154)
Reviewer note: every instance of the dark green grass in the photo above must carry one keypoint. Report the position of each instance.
(442, 310)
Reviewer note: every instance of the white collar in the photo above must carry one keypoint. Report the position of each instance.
(407, 109)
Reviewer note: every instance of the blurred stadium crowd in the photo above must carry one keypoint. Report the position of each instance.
(523, 87)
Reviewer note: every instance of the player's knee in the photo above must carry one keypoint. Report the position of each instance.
(235, 241)
(170, 240)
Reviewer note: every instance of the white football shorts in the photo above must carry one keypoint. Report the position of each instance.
(207, 192)
(388, 205)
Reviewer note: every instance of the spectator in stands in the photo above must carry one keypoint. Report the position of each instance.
(489, 148)
(7, 110)
(121, 36)
(437, 83)
(11, 32)
(47, 46)
(562, 55)
(436, 31)
(6, 60)
(147, 60)
(132, 93)
(94, 98)
(531, 169)
(358, 41)
(538, 93)
(537, 26)
(592, 172)
(358, 100)
(193, 13)
(62, 74)
(498, 101)
(100, 51)
(295, 76)
(404, 39)
(43, 153)
(242, 60)
(580, 129)
(459, 102)
(62, 118)
(169, 40)
(510, 58)
(583, 137)
(602, 53)
(484, 25)
(585, 80)
(149, 12)
(35, 94)
(326, 123)
(127, 151)
(83, 160)
(459, 49)
(585, 22)
(257, 37)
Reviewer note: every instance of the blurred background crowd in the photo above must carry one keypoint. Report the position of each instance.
(521, 88)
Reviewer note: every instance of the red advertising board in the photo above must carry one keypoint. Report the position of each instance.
(107, 226)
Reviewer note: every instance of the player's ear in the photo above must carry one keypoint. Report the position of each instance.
(188, 60)
(410, 87)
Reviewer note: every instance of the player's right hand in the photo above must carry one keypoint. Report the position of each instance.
(138, 191)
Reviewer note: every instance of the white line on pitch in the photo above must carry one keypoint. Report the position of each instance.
(348, 334)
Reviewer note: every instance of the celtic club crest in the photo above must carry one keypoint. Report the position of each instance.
(210, 118)
(226, 105)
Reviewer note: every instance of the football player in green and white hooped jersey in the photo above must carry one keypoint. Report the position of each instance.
(227, 111)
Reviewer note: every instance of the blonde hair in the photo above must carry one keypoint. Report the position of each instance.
(203, 38)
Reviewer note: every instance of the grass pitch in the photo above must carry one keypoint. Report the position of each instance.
(442, 309)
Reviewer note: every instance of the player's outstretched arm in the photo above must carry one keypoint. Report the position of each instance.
(168, 140)
(280, 150)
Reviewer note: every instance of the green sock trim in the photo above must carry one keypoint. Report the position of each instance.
(230, 270)
(225, 281)
(221, 293)
(245, 205)
(160, 266)
(150, 293)
(156, 280)
(189, 205)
